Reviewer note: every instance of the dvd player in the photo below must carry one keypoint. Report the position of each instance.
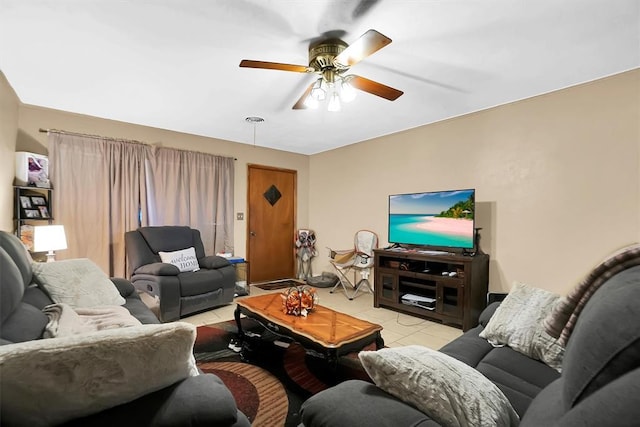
(423, 305)
(418, 301)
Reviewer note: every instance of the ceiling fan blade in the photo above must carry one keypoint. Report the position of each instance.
(375, 88)
(368, 43)
(300, 105)
(247, 63)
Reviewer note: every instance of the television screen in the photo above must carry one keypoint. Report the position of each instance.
(438, 218)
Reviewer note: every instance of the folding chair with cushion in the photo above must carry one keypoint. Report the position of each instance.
(356, 260)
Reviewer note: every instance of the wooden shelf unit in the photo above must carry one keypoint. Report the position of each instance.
(27, 194)
(459, 299)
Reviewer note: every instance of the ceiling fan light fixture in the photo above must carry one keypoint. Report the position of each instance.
(334, 103)
(347, 92)
(319, 92)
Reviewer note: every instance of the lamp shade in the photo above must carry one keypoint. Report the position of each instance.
(49, 238)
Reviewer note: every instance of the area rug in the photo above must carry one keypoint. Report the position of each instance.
(278, 284)
(275, 378)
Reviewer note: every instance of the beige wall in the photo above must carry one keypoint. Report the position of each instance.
(30, 139)
(9, 107)
(556, 177)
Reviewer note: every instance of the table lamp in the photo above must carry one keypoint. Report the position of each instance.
(49, 238)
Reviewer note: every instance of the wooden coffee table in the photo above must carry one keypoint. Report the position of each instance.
(324, 330)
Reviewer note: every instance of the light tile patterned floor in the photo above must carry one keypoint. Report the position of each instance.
(398, 329)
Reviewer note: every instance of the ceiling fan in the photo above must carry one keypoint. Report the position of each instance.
(331, 58)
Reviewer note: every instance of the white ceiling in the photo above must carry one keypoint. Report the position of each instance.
(173, 64)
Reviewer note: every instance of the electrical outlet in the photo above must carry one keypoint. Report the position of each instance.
(240, 216)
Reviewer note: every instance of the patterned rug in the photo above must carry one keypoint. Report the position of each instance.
(276, 377)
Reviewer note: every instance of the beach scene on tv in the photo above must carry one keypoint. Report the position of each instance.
(444, 218)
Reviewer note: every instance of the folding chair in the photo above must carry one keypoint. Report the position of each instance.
(358, 260)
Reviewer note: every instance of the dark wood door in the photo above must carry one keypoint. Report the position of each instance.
(271, 217)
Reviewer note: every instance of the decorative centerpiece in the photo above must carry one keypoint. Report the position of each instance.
(299, 300)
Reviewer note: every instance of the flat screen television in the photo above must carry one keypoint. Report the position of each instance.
(440, 219)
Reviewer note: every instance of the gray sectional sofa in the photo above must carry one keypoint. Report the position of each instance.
(201, 400)
(599, 384)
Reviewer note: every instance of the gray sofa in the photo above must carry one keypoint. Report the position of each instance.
(599, 384)
(202, 400)
(179, 293)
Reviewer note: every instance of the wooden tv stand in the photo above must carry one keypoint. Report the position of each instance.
(458, 299)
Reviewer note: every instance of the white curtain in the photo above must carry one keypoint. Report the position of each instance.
(99, 194)
(194, 189)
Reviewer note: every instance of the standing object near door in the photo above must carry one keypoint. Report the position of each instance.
(305, 250)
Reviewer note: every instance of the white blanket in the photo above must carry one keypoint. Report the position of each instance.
(48, 382)
(65, 320)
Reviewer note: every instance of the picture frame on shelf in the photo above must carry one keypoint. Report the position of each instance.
(44, 212)
(25, 202)
(32, 213)
(38, 201)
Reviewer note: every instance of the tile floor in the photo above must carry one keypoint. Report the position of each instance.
(398, 329)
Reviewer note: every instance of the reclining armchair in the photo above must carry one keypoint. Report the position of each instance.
(204, 282)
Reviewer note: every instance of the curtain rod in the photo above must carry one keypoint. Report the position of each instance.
(108, 138)
(87, 135)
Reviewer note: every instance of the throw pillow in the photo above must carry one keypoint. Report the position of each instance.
(77, 282)
(518, 323)
(447, 390)
(185, 259)
(50, 381)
